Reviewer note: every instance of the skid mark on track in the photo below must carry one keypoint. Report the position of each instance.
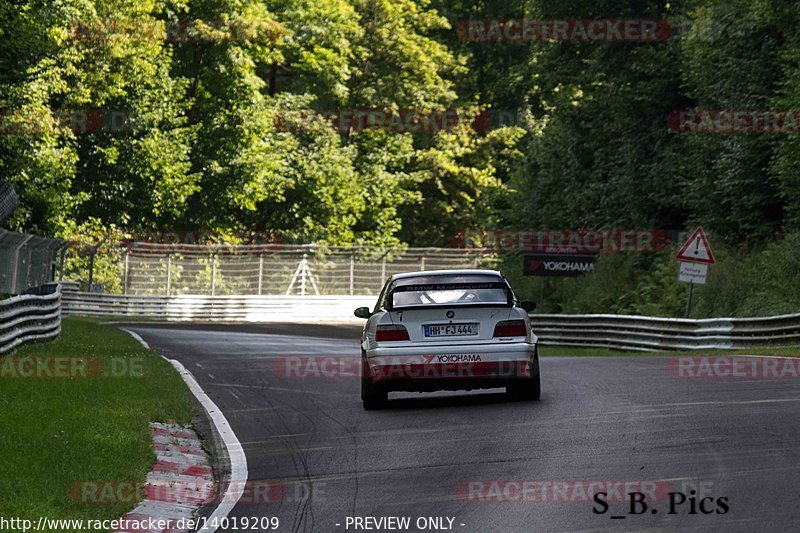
(304, 513)
(250, 410)
(354, 436)
(731, 402)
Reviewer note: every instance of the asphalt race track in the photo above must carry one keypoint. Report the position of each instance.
(608, 420)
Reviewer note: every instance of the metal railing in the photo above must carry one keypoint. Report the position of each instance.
(30, 317)
(642, 333)
(215, 308)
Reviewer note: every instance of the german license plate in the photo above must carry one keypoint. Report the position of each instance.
(451, 330)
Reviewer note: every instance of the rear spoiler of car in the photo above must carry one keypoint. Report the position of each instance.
(449, 286)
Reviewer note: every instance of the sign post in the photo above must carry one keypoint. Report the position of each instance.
(694, 257)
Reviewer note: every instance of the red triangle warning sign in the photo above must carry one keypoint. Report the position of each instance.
(697, 249)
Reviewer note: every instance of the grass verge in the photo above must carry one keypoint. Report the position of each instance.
(86, 420)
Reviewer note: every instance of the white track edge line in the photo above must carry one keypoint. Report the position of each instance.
(139, 339)
(234, 447)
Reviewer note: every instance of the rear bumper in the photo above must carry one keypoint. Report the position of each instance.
(429, 368)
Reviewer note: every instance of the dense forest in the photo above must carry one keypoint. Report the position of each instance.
(392, 122)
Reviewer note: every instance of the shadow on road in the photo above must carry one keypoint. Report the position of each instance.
(426, 401)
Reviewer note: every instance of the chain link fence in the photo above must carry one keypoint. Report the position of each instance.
(8, 200)
(171, 270)
(26, 261)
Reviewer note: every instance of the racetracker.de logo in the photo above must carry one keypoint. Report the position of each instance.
(580, 241)
(250, 30)
(733, 367)
(181, 491)
(450, 366)
(400, 121)
(188, 238)
(633, 30)
(558, 491)
(317, 367)
(78, 121)
(729, 121)
(64, 367)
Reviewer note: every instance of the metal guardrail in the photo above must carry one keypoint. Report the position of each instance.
(215, 308)
(30, 317)
(642, 333)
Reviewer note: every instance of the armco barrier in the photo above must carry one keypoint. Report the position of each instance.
(30, 317)
(644, 333)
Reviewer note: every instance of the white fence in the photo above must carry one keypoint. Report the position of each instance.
(145, 269)
(30, 317)
(216, 308)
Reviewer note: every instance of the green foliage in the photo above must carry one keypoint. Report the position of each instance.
(93, 238)
(732, 61)
(459, 183)
(622, 283)
(739, 284)
(222, 131)
(764, 283)
(403, 67)
(206, 139)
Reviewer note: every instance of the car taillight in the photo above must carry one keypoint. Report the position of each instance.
(391, 333)
(510, 328)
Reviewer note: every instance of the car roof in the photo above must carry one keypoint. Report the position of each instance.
(466, 272)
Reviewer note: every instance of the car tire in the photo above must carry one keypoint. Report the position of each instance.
(372, 396)
(527, 389)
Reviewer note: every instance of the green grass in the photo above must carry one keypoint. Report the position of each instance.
(546, 351)
(58, 431)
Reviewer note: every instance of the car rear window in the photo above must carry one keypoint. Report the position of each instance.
(448, 291)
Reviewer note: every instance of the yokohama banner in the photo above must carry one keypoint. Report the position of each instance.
(565, 265)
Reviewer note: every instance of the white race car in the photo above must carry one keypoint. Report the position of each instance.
(448, 330)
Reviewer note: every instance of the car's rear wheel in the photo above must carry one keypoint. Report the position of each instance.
(528, 388)
(372, 396)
